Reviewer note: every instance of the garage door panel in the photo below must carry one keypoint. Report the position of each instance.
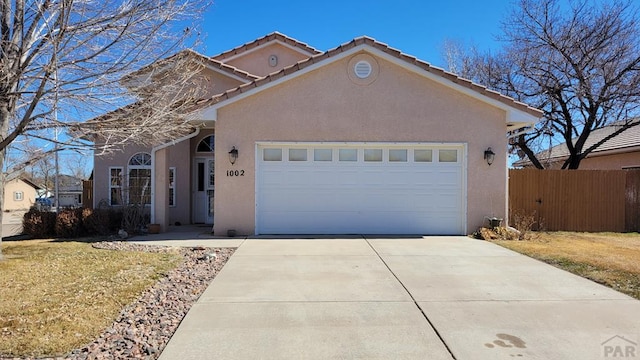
(358, 197)
(313, 222)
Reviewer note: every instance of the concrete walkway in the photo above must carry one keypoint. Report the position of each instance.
(426, 298)
(188, 235)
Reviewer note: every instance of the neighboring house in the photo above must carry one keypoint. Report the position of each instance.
(359, 139)
(69, 191)
(19, 194)
(620, 152)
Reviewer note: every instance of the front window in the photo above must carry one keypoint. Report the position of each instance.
(140, 179)
(18, 195)
(140, 159)
(115, 186)
(140, 186)
(207, 144)
(172, 186)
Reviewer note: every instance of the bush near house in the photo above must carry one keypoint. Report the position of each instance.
(101, 221)
(69, 223)
(39, 224)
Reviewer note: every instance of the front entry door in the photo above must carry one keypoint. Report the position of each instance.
(203, 195)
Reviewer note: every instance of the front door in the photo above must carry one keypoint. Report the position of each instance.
(204, 186)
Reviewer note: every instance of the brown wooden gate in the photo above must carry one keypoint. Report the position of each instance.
(87, 194)
(632, 206)
(577, 200)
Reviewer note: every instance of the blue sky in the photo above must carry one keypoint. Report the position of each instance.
(416, 27)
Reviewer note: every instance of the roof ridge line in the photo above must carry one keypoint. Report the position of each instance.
(266, 38)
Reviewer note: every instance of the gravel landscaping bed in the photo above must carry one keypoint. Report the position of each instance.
(144, 328)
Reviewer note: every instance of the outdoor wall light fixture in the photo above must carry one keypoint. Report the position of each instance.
(489, 156)
(233, 155)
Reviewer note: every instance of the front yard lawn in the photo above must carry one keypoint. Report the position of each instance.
(607, 258)
(57, 296)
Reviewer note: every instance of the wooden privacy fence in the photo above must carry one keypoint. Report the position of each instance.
(87, 194)
(577, 200)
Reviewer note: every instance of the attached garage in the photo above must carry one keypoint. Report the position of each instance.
(361, 188)
(361, 140)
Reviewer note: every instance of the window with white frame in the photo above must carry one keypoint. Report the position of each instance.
(115, 185)
(172, 186)
(207, 144)
(139, 173)
(18, 195)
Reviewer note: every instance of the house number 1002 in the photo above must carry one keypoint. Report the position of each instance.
(235, 172)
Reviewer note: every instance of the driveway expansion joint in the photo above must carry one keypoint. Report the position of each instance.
(444, 343)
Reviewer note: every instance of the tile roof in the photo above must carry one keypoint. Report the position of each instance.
(320, 57)
(629, 138)
(231, 70)
(263, 40)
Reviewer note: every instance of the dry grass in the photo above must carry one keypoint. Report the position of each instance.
(607, 258)
(57, 296)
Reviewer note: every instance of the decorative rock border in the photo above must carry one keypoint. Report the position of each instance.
(144, 328)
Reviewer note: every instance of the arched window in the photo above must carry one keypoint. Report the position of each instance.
(207, 144)
(139, 171)
(140, 159)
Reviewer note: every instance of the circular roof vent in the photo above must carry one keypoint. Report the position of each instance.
(362, 69)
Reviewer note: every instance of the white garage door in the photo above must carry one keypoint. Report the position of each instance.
(367, 188)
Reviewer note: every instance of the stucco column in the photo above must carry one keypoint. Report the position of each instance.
(161, 195)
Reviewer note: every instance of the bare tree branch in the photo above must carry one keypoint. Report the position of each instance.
(578, 61)
(62, 61)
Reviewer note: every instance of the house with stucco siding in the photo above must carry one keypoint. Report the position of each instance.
(614, 152)
(20, 194)
(358, 139)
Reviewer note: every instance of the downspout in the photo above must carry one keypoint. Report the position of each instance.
(153, 168)
(522, 130)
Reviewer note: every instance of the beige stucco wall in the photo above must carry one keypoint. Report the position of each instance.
(178, 156)
(102, 163)
(325, 105)
(611, 162)
(598, 161)
(17, 185)
(215, 83)
(256, 62)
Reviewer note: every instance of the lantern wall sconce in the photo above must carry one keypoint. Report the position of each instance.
(233, 155)
(489, 156)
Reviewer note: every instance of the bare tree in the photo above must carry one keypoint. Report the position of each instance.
(62, 62)
(578, 61)
(460, 59)
(43, 171)
(75, 164)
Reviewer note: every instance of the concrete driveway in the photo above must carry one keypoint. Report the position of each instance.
(425, 298)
